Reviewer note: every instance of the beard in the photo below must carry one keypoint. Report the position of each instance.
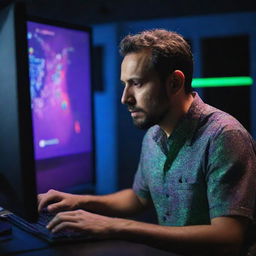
(155, 110)
(148, 119)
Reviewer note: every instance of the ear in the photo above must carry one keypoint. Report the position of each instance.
(176, 82)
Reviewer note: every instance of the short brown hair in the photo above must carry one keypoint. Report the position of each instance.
(169, 50)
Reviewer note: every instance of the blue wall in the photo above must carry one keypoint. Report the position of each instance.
(118, 142)
(106, 111)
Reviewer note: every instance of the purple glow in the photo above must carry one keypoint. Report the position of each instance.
(60, 90)
(59, 65)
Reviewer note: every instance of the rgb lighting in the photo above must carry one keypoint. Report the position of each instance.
(222, 81)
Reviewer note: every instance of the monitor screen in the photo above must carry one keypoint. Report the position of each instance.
(61, 102)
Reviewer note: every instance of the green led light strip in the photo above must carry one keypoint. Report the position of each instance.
(222, 81)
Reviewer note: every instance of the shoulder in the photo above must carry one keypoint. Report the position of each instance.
(227, 135)
(218, 130)
(218, 122)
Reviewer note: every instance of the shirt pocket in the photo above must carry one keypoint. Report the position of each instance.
(188, 196)
(188, 204)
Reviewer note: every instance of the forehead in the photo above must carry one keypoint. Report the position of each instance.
(135, 65)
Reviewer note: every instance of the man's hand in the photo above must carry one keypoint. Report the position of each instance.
(123, 203)
(94, 225)
(57, 201)
(223, 237)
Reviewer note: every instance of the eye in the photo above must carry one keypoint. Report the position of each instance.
(137, 83)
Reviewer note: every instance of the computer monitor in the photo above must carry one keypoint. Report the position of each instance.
(46, 110)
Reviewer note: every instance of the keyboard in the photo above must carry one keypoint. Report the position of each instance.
(39, 229)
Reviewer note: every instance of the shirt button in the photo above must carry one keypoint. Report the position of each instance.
(167, 196)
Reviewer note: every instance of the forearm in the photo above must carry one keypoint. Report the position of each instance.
(189, 240)
(120, 204)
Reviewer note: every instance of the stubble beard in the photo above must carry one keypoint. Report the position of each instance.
(149, 120)
(155, 114)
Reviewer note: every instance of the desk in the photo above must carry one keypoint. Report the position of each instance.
(24, 244)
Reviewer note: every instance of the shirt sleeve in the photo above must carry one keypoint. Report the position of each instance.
(231, 175)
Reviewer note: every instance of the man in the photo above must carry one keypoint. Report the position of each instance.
(197, 165)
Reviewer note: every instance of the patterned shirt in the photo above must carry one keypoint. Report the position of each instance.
(205, 169)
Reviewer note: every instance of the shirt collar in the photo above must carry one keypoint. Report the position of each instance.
(185, 128)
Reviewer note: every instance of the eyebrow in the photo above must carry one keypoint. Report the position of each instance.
(133, 78)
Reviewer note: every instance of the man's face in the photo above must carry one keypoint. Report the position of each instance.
(144, 93)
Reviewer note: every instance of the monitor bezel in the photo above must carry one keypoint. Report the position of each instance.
(26, 205)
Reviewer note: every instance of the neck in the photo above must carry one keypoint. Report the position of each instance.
(178, 108)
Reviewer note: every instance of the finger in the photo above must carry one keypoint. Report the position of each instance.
(66, 225)
(42, 201)
(61, 217)
(46, 198)
(56, 207)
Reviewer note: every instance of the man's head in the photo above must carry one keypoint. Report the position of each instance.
(156, 65)
(169, 51)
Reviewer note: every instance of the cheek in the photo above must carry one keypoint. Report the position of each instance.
(151, 99)
(148, 102)
(142, 98)
(155, 99)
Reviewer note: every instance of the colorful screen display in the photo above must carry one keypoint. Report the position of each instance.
(59, 69)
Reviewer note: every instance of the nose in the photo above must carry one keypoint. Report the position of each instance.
(127, 96)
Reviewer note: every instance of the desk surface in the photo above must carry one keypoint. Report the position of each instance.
(24, 244)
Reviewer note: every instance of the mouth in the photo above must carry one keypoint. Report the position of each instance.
(136, 113)
(133, 109)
